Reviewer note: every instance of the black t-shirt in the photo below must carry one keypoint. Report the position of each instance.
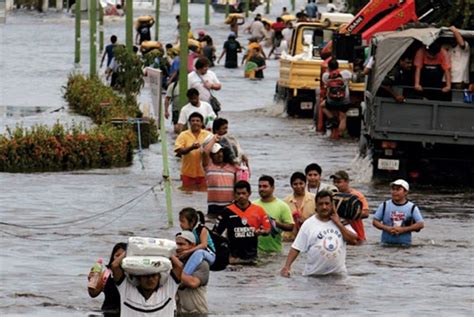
(232, 48)
(242, 239)
(144, 32)
(111, 305)
(260, 61)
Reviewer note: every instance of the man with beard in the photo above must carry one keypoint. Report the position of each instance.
(324, 238)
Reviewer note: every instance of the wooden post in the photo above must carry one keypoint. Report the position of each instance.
(207, 12)
(101, 28)
(157, 20)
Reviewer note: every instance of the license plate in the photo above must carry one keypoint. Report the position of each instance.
(306, 105)
(389, 165)
(354, 112)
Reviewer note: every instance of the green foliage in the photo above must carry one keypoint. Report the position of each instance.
(129, 73)
(43, 149)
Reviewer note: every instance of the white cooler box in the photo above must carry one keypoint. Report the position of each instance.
(145, 265)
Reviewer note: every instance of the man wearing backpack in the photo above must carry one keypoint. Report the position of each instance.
(341, 181)
(337, 96)
(398, 217)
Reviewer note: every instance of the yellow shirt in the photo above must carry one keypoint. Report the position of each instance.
(307, 209)
(191, 165)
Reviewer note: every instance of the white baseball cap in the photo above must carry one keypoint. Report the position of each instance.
(402, 183)
(216, 148)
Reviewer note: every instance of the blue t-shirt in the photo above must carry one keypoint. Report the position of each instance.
(109, 50)
(397, 215)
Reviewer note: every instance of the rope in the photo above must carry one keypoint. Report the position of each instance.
(73, 236)
(80, 220)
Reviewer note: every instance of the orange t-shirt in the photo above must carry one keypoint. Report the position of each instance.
(442, 58)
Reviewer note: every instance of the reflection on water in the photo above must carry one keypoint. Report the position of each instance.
(45, 278)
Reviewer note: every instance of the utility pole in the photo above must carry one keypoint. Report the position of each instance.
(157, 19)
(293, 5)
(206, 12)
(267, 7)
(129, 24)
(93, 37)
(77, 48)
(247, 7)
(227, 8)
(101, 28)
(183, 52)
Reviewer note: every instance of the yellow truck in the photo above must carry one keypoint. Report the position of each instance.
(300, 69)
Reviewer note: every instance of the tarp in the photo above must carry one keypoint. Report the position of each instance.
(392, 45)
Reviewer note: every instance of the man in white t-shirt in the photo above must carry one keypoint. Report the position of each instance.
(155, 294)
(459, 53)
(323, 237)
(195, 105)
(203, 79)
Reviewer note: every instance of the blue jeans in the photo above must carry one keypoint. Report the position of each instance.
(196, 258)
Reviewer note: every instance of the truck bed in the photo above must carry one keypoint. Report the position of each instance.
(427, 121)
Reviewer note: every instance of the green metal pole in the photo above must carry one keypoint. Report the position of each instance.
(183, 53)
(267, 7)
(157, 20)
(166, 170)
(77, 50)
(129, 24)
(93, 37)
(227, 8)
(101, 28)
(293, 5)
(207, 12)
(247, 7)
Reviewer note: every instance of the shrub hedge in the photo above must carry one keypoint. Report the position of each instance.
(44, 149)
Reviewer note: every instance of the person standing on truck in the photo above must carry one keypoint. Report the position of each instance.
(398, 217)
(337, 95)
(400, 75)
(431, 64)
(459, 52)
(341, 181)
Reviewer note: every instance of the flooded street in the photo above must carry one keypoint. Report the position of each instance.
(44, 264)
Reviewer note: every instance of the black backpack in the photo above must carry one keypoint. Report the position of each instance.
(222, 249)
(347, 206)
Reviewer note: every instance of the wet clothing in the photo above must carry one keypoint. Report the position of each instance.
(173, 93)
(109, 51)
(191, 162)
(197, 81)
(277, 210)
(209, 52)
(231, 143)
(204, 109)
(220, 183)
(357, 224)
(260, 61)
(397, 215)
(232, 48)
(325, 247)
(111, 305)
(333, 105)
(194, 300)
(240, 225)
(302, 212)
(160, 304)
(144, 33)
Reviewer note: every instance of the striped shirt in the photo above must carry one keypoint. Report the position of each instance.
(220, 183)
